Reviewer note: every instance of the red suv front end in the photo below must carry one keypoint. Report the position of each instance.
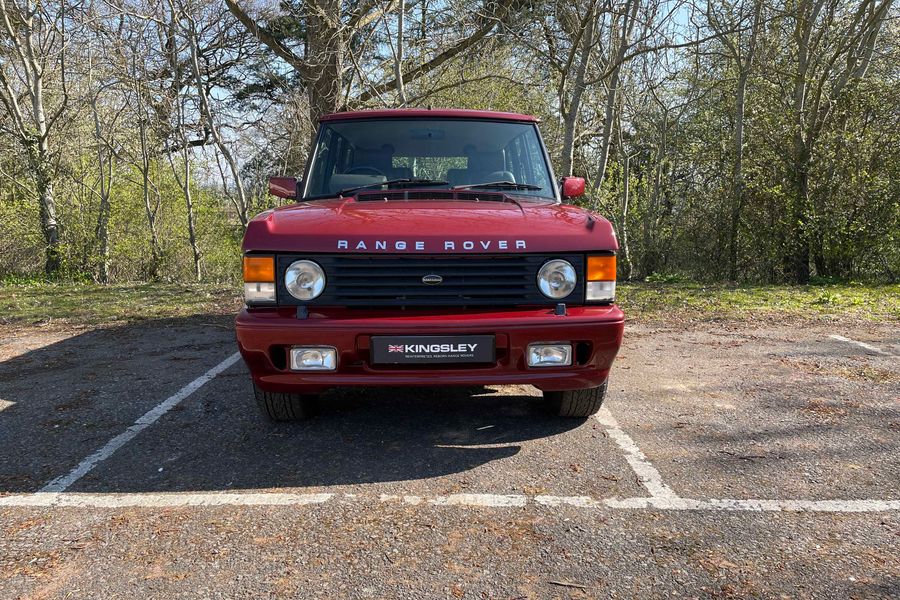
(429, 248)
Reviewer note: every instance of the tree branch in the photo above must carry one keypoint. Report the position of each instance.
(268, 38)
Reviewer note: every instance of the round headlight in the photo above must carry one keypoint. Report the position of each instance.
(304, 280)
(557, 279)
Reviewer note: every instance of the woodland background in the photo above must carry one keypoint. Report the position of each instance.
(730, 140)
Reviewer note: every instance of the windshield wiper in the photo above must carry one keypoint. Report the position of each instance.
(502, 185)
(393, 182)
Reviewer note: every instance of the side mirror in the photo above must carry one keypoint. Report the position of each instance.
(283, 187)
(572, 187)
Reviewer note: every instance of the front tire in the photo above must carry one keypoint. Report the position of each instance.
(577, 403)
(280, 406)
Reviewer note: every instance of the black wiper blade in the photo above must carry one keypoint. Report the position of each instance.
(503, 185)
(420, 181)
(390, 182)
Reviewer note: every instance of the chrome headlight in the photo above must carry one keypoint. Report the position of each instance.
(304, 280)
(557, 279)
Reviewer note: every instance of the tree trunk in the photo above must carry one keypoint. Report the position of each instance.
(737, 176)
(148, 207)
(572, 111)
(799, 245)
(628, 19)
(192, 229)
(49, 226)
(184, 180)
(30, 124)
(104, 164)
(738, 188)
(398, 57)
(325, 55)
(798, 241)
(623, 234)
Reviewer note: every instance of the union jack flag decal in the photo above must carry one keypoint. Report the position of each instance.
(392, 348)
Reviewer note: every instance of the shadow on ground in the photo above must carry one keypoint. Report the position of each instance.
(65, 400)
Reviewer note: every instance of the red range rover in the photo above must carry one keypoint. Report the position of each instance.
(429, 247)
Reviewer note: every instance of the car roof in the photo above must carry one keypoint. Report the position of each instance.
(433, 113)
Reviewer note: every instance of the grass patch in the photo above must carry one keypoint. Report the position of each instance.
(691, 300)
(92, 304)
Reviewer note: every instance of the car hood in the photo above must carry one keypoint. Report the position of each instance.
(428, 227)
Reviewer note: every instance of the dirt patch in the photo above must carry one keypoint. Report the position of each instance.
(852, 372)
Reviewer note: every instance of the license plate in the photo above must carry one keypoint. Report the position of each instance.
(430, 349)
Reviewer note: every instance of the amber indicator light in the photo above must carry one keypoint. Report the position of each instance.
(259, 269)
(601, 268)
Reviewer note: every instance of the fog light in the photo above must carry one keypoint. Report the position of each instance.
(259, 293)
(310, 358)
(549, 355)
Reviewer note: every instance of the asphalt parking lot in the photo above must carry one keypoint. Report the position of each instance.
(732, 459)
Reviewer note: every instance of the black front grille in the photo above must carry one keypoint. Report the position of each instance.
(392, 280)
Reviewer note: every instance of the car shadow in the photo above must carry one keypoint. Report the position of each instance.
(65, 400)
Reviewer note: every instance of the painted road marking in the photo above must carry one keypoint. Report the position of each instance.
(868, 347)
(645, 471)
(755, 505)
(61, 484)
(214, 499)
(492, 500)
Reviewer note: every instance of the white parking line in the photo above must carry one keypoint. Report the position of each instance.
(756, 505)
(214, 499)
(61, 484)
(868, 347)
(491, 500)
(162, 500)
(645, 471)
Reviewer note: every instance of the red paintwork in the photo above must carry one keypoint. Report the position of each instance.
(349, 331)
(283, 187)
(434, 113)
(426, 227)
(317, 226)
(572, 187)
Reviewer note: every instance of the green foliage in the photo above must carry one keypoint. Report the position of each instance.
(36, 301)
(24, 301)
(666, 278)
(131, 258)
(696, 301)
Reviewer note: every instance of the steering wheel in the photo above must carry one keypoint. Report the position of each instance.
(365, 168)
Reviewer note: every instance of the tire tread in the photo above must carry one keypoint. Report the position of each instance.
(280, 406)
(578, 403)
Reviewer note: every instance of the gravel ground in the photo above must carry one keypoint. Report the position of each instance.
(771, 410)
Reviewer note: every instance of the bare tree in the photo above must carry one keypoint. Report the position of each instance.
(325, 49)
(184, 12)
(833, 48)
(737, 27)
(621, 37)
(34, 95)
(181, 169)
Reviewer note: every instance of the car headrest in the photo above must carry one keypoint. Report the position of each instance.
(457, 176)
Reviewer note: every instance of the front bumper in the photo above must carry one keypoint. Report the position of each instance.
(266, 335)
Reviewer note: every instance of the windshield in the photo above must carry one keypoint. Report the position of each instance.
(429, 153)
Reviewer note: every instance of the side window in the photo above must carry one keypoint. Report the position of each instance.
(333, 155)
(525, 160)
(320, 162)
